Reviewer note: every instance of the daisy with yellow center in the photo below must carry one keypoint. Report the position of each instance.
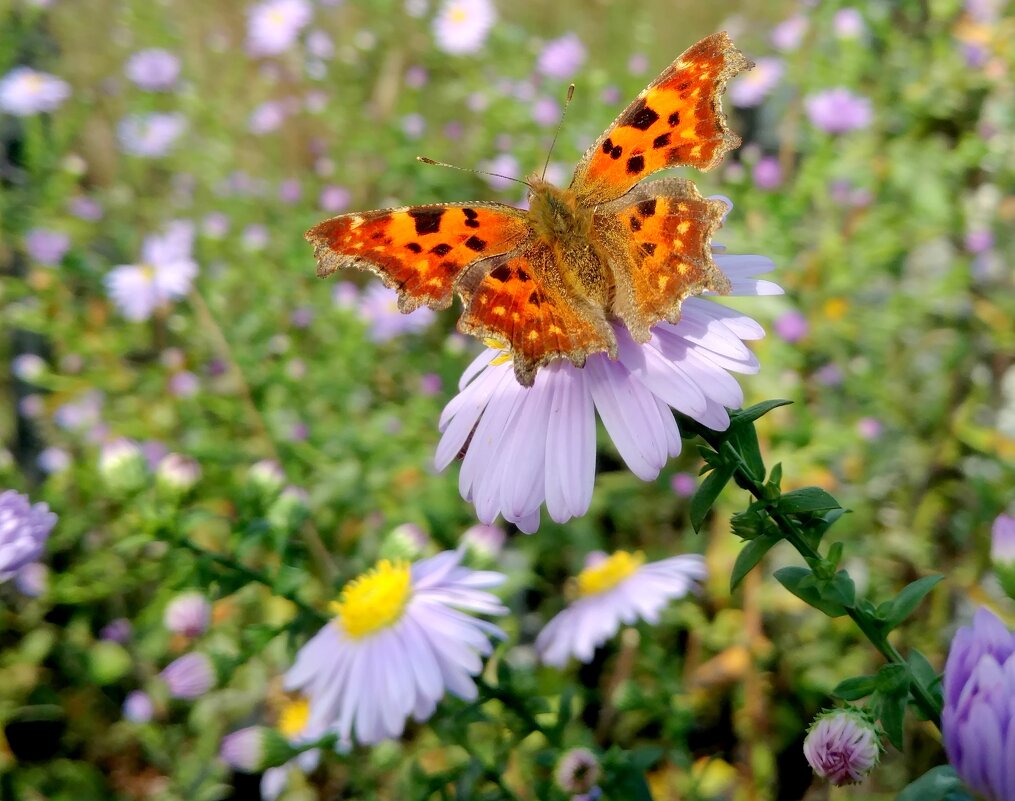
(403, 634)
(613, 590)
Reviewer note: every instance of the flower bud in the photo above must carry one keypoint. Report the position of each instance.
(254, 748)
(577, 771)
(843, 745)
(177, 474)
(138, 707)
(122, 466)
(24, 529)
(266, 476)
(407, 541)
(190, 676)
(289, 509)
(188, 614)
(483, 542)
(1002, 552)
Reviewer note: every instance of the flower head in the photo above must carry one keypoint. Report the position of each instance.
(150, 135)
(526, 446)
(190, 676)
(561, 58)
(842, 746)
(578, 771)
(177, 473)
(24, 92)
(838, 111)
(24, 529)
(401, 637)
(379, 309)
(461, 26)
(253, 748)
(138, 707)
(154, 69)
(164, 273)
(46, 247)
(188, 613)
(752, 87)
(274, 25)
(611, 590)
(788, 34)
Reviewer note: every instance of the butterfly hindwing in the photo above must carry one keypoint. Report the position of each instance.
(660, 237)
(511, 301)
(420, 251)
(677, 121)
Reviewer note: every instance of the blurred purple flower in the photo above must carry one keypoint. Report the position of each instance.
(274, 25)
(290, 191)
(430, 384)
(842, 746)
(683, 485)
(155, 69)
(345, 295)
(53, 460)
(561, 58)
(546, 112)
(829, 375)
(504, 164)
(838, 111)
(215, 225)
(379, 309)
(24, 92)
(85, 208)
(767, 173)
(637, 64)
(512, 468)
(184, 384)
(752, 87)
(869, 428)
(485, 541)
(116, 630)
(267, 117)
(190, 676)
(413, 125)
(848, 23)
(165, 272)
(985, 11)
(577, 771)
(150, 135)
(188, 613)
(319, 45)
(29, 367)
(610, 95)
(461, 26)
(1002, 540)
(334, 199)
(255, 237)
(979, 241)
(791, 326)
(138, 707)
(32, 580)
(24, 529)
(301, 317)
(978, 721)
(788, 34)
(46, 246)
(415, 77)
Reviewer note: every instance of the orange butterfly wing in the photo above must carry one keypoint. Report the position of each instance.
(677, 121)
(660, 237)
(420, 251)
(513, 300)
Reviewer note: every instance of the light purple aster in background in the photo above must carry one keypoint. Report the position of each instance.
(848, 23)
(24, 529)
(379, 309)
(188, 613)
(461, 26)
(46, 247)
(24, 92)
(978, 721)
(165, 272)
(403, 636)
(524, 446)
(838, 111)
(1002, 540)
(274, 25)
(267, 117)
(150, 135)
(334, 199)
(788, 34)
(190, 676)
(767, 173)
(791, 326)
(754, 86)
(546, 112)
(561, 58)
(625, 591)
(138, 707)
(153, 69)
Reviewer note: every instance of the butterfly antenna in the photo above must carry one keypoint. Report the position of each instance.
(570, 94)
(426, 160)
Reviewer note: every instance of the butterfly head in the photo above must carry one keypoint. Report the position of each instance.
(554, 213)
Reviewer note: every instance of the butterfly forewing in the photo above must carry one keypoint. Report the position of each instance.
(421, 251)
(677, 121)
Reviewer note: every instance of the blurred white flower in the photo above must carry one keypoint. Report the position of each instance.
(461, 26)
(24, 92)
(274, 25)
(165, 272)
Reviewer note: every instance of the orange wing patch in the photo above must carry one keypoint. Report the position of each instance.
(511, 304)
(677, 121)
(420, 250)
(668, 228)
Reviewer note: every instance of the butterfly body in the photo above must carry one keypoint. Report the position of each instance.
(549, 282)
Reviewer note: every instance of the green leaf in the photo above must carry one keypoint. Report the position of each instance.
(707, 493)
(775, 476)
(924, 673)
(801, 582)
(856, 688)
(891, 711)
(892, 678)
(933, 785)
(807, 499)
(744, 439)
(752, 413)
(748, 557)
(902, 606)
(840, 590)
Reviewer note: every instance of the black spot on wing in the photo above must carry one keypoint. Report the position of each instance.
(534, 298)
(647, 207)
(635, 164)
(470, 214)
(475, 243)
(414, 247)
(661, 141)
(522, 275)
(635, 223)
(428, 221)
(502, 273)
(649, 247)
(443, 249)
(674, 119)
(607, 145)
(640, 116)
(616, 152)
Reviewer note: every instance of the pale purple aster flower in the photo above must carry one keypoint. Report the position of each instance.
(637, 64)
(32, 580)
(416, 77)
(869, 428)
(117, 630)
(267, 117)
(848, 23)
(188, 613)
(485, 541)
(683, 485)
(24, 529)
(829, 375)
(614, 590)
(788, 34)
(610, 95)
(215, 225)
(32, 406)
(403, 635)
(29, 367)
(255, 237)
(504, 165)
(379, 309)
(755, 85)
(153, 69)
(577, 771)
(164, 273)
(184, 384)
(767, 173)
(334, 199)
(461, 26)
(290, 191)
(546, 112)
(53, 460)
(138, 707)
(319, 45)
(561, 58)
(979, 241)
(274, 25)
(978, 721)
(294, 728)
(838, 111)
(512, 468)
(46, 247)
(430, 385)
(85, 208)
(413, 125)
(985, 11)
(345, 295)
(150, 135)
(842, 746)
(24, 92)
(791, 326)
(1002, 552)
(190, 676)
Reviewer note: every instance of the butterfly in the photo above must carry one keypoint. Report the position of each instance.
(546, 283)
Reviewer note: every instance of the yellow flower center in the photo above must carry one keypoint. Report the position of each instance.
(292, 720)
(608, 573)
(375, 600)
(458, 15)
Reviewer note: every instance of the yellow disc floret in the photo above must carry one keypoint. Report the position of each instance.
(292, 720)
(375, 600)
(608, 573)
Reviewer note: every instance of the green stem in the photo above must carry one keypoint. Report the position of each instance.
(489, 692)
